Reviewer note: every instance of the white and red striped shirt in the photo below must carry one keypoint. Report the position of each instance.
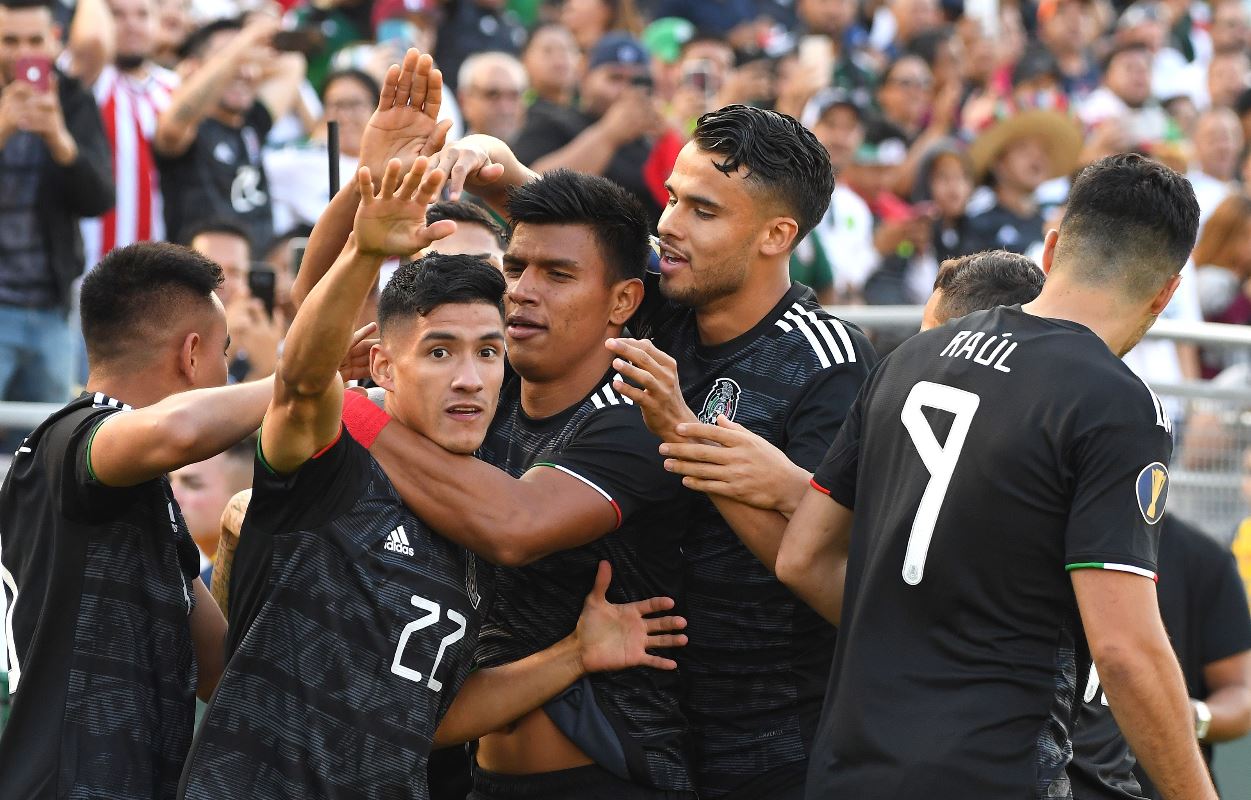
(129, 108)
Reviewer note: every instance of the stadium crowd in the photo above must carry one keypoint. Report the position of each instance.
(580, 525)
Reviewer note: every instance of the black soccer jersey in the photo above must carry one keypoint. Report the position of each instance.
(757, 658)
(365, 635)
(1204, 608)
(983, 459)
(97, 589)
(603, 442)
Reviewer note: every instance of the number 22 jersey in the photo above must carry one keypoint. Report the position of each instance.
(984, 460)
(366, 632)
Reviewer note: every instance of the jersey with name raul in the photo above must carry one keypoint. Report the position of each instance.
(985, 461)
(365, 634)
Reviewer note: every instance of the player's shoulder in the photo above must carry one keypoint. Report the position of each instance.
(807, 330)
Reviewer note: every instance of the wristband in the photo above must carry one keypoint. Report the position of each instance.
(363, 420)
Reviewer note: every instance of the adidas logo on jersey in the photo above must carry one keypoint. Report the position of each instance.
(397, 542)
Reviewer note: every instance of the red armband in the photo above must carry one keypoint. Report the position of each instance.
(363, 419)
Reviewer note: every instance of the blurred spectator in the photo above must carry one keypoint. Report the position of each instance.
(897, 22)
(591, 20)
(54, 163)
(945, 180)
(904, 97)
(208, 141)
(110, 48)
(1229, 75)
(1124, 98)
(203, 490)
(1145, 24)
(226, 243)
(475, 26)
(1067, 28)
(1222, 258)
(551, 62)
(173, 25)
(1242, 107)
(1217, 144)
(610, 131)
(490, 88)
(736, 21)
(850, 66)
(298, 175)
(283, 256)
(1228, 29)
(838, 256)
(330, 25)
(1016, 155)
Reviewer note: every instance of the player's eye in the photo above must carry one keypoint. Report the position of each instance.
(439, 352)
(488, 352)
(561, 276)
(701, 214)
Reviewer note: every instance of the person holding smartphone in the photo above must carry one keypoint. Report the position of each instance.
(55, 169)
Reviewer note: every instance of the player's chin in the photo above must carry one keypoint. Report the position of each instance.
(462, 433)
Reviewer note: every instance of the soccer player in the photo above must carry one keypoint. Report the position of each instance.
(1007, 474)
(110, 632)
(724, 458)
(752, 347)
(365, 620)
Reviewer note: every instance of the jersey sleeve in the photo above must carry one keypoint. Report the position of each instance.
(1120, 480)
(1225, 625)
(323, 488)
(615, 454)
(837, 473)
(818, 413)
(80, 494)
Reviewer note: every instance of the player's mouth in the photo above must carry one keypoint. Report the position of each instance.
(465, 412)
(671, 259)
(520, 327)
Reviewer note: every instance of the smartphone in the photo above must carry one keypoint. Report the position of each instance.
(308, 41)
(295, 253)
(261, 281)
(398, 33)
(700, 75)
(35, 70)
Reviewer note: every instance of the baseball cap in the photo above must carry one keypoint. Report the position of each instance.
(617, 48)
(829, 98)
(664, 37)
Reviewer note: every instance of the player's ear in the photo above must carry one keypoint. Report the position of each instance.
(381, 367)
(1049, 250)
(627, 296)
(190, 354)
(779, 237)
(1162, 297)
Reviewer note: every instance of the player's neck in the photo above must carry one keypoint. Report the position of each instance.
(136, 391)
(1101, 312)
(546, 397)
(731, 316)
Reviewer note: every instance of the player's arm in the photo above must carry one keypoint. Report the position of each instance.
(1229, 697)
(227, 542)
(208, 637)
(506, 520)
(132, 447)
(404, 125)
(812, 559)
(608, 638)
(304, 415)
(1142, 680)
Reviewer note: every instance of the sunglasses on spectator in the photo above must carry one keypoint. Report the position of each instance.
(912, 83)
(493, 95)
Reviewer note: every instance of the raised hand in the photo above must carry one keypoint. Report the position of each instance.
(612, 637)
(355, 366)
(464, 161)
(405, 125)
(393, 222)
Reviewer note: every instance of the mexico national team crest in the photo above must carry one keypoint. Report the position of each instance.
(721, 400)
(1152, 489)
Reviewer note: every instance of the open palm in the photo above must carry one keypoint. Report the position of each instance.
(392, 222)
(613, 637)
(405, 125)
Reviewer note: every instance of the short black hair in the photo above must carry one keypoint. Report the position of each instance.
(1130, 222)
(21, 5)
(1115, 52)
(469, 214)
(984, 280)
(780, 156)
(136, 292)
(214, 225)
(363, 78)
(193, 46)
(616, 217)
(419, 287)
